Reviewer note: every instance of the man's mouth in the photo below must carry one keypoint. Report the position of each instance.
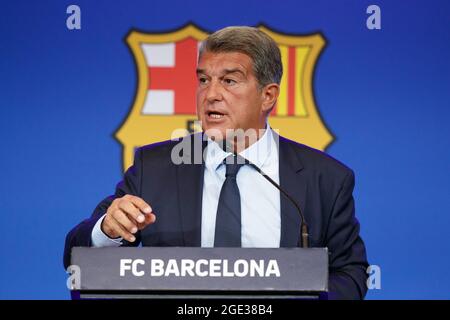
(215, 115)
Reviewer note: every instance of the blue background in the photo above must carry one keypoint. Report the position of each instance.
(384, 94)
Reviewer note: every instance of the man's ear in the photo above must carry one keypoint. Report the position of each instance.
(270, 95)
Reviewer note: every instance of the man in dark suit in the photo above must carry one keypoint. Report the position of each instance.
(167, 198)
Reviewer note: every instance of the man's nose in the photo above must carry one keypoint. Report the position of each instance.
(214, 91)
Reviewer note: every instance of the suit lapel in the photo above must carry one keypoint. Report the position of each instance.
(291, 180)
(190, 192)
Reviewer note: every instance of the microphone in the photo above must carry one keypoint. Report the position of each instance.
(303, 241)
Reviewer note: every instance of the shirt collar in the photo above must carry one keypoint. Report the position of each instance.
(257, 153)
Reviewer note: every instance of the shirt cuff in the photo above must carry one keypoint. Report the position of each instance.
(100, 239)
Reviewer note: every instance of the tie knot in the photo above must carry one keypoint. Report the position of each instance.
(233, 164)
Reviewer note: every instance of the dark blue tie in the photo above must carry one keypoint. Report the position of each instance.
(228, 219)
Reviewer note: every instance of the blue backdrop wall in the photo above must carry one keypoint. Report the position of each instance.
(383, 93)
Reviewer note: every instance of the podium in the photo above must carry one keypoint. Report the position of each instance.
(198, 273)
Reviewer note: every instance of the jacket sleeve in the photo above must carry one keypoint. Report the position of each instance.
(80, 236)
(348, 261)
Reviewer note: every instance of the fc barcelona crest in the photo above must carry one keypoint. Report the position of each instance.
(166, 86)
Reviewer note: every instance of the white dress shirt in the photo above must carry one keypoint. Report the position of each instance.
(260, 201)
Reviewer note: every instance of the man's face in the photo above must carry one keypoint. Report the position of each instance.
(228, 94)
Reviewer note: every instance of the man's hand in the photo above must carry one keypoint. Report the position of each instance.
(125, 216)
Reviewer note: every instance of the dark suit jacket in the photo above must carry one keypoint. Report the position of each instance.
(321, 185)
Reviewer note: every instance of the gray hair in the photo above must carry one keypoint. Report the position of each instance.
(261, 48)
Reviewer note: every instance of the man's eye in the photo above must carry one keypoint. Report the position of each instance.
(202, 80)
(229, 81)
